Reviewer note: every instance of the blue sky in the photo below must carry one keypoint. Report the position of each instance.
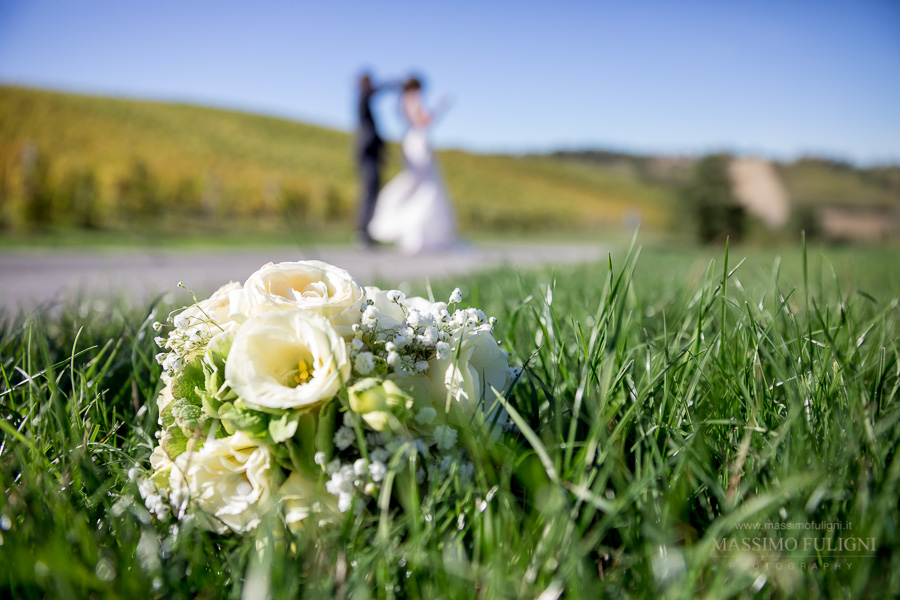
(774, 78)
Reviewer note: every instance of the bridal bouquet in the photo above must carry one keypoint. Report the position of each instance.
(304, 392)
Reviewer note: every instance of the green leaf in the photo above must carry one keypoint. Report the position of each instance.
(173, 441)
(248, 421)
(307, 435)
(190, 378)
(210, 405)
(214, 381)
(187, 415)
(325, 429)
(166, 417)
(214, 367)
(283, 428)
(217, 350)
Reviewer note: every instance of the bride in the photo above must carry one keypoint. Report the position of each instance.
(413, 210)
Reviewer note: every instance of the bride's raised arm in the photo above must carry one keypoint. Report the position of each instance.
(443, 105)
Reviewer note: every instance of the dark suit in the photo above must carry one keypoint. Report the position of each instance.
(369, 149)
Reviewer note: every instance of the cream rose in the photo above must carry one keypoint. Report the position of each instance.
(286, 360)
(469, 379)
(161, 465)
(391, 315)
(214, 314)
(302, 498)
(310, 285)
(230, 479)
(165, 396)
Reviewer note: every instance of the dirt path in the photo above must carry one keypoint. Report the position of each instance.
(44, 279)
(760, 190)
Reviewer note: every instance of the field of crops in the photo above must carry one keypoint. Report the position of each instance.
(100, 163)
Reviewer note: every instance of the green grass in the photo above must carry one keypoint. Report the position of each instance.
(671, 399)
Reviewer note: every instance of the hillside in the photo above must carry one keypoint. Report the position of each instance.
(817, 182)
(97, 162)
(829, 199)
(809, 181)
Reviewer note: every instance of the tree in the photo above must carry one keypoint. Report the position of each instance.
(709, 196)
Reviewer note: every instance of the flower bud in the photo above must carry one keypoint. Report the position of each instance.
(377, 401)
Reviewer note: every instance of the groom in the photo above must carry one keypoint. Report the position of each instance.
(369, 155)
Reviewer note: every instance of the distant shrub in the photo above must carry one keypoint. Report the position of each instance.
(211, 194)
(37, 188)
(79, 198)
(804, 219)
(6, 194)
(832, 164)
(493, 218)
(187, 197)
(138, 194)
(709, 197)
(337, 208)
(294, 204)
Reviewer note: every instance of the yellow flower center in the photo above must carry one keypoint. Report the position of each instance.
(303, 375)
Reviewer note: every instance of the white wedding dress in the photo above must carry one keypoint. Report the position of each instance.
(413, 210)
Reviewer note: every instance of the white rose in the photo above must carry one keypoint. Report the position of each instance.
(213, 315)
(230, 479)
(310, 285)
(423, 304)
(390, 313)
(161, 465)
(469, 379)
(302, 498)
(159, 460)
(388, 308)
(285, 360)
(165, 395)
